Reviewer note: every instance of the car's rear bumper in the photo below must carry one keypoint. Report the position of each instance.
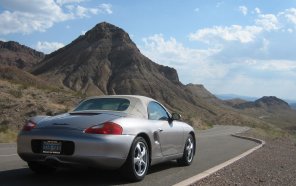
(102, 151)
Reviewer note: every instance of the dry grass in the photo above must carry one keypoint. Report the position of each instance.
(274, 133)
(19, 102)
(8, 136)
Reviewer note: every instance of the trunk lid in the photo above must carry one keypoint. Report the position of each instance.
(78, 120)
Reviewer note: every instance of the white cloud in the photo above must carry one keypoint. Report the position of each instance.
(277, 65)
(254, 86)
(257, 10)
(93, 10)
(22, 17)
(82, 11)
(243, 10)
(233, 33)
(192, 63)
(105, 8)
(290, 30)
(28, 17)
(254, 76)
(290, 15)
(243, 34)
(62, 2)
(86, 12)
(173, 51)
(48, 47)
(258, 58)
(265, 45)
(268, 22)
(257, 77)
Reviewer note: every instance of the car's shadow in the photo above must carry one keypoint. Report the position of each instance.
(73, 177)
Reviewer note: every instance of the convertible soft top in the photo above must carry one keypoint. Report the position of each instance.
(137, 107)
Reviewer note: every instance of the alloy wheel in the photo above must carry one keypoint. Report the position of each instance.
(140, 158)
(189, 150)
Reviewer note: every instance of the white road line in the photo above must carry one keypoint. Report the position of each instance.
(7, 155)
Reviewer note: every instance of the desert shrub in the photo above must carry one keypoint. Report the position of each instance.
(24, 86)
(4, 126)
(8, 136)
(18, 93)
(31, 113)
(50, 113)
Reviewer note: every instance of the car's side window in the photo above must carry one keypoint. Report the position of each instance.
(156, 112)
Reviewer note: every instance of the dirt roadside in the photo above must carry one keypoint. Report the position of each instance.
(273, 164)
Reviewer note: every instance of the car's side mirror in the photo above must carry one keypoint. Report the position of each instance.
(176, 116)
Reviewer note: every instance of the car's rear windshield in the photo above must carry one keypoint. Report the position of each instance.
(113, 104)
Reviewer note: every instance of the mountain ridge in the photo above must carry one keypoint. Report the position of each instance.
(266, 102)
(99, 48)
(14, 54)
(107, 61)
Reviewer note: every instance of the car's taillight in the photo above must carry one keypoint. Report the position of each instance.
(105, 128)
(29, 126)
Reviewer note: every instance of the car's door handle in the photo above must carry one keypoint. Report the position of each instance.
(160, 130)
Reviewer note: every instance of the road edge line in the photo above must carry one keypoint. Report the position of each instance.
(212, 170)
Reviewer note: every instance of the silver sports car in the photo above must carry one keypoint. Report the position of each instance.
(116, 132)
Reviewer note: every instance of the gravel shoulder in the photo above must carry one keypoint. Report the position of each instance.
(273, 164)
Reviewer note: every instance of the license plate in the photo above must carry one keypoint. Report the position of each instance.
(52, 147)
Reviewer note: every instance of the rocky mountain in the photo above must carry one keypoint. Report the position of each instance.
(20, 56)
(270, 109)
(266, 102)
(106, 61)
(200, 92)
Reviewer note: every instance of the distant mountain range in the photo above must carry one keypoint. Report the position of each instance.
(106, 61)
(292, 103)
(266, 102)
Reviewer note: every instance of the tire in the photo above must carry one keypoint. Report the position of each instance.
(41, 168)
(188, 153)
(137, 163)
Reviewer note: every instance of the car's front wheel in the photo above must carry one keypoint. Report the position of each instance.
(188, 153)
(40, 168)
(137, 164)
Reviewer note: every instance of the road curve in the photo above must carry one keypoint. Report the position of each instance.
(214, 146)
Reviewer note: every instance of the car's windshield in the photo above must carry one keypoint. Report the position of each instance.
(113, 104)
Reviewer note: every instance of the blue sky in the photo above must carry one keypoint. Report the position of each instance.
(244, 47)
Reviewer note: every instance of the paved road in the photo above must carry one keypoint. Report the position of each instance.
(214, 146)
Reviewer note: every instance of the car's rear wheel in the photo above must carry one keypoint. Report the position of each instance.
(188, 153)
(137, 164)
(41, 168)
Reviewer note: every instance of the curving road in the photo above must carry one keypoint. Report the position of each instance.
(214, 146)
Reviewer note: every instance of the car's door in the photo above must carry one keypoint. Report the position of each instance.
(169, 133)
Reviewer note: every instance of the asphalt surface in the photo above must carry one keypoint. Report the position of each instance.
(214, 146)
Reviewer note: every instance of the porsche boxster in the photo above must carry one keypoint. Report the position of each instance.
(123, 132)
